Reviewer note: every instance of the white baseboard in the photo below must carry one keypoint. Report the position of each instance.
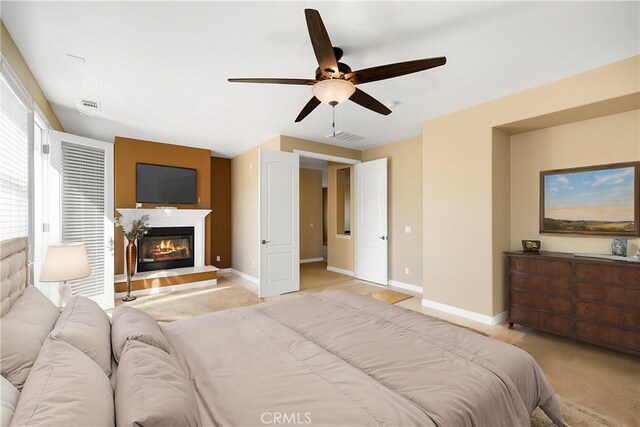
(171, 288)
(304, 261)
(224, 271)
(251, 283)
(413, 288)
(341, 271)
(471, 315)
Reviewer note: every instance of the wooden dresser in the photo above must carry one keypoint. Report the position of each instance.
(588, 299)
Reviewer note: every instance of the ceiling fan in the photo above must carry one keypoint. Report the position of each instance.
(335, 82)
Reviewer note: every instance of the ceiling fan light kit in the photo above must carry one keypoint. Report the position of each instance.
(334, 81)
(333, 91)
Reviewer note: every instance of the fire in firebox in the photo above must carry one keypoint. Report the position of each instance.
(167, 250)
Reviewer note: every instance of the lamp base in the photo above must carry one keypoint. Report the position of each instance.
(64, 293)
(129, 298)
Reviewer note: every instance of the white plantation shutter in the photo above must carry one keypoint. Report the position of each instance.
(83, 210)
(14, 164)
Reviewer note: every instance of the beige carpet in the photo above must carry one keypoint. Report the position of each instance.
(390, 297)
(587, 376)
(193, 302)
(315, 274)
(575, 416)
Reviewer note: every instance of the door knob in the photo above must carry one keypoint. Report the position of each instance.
(264, 242)
(383, 237)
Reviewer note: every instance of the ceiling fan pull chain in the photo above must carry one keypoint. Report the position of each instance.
(334, 121)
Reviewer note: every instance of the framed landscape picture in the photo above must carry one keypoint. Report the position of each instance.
(602, 200)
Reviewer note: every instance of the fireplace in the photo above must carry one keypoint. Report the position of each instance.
(163, 248)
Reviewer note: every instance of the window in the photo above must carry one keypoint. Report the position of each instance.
(15, 118)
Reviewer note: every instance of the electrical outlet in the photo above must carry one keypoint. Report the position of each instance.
(311, 225)
(406, 270)
(407, 229)
(218, 258)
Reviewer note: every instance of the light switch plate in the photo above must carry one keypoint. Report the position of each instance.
(407, 229)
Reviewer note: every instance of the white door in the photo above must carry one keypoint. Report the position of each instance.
(85, 203)
(279, 216)
(371, 221)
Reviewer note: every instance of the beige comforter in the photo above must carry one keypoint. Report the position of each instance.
(338, 358)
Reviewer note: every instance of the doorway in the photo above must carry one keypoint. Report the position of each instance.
(326, 218)
(307, 264)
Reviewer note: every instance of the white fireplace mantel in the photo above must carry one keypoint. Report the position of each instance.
(163, 217)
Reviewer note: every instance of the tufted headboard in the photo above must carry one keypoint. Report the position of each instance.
(13, 271)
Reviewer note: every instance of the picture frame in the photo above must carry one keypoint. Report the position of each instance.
(595, 200)
(531, 246)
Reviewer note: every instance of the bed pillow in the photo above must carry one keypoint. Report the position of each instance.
(23, 330)
(152, 389)
(65, 387)
(132, 324)
(9, 395)
(86, 326)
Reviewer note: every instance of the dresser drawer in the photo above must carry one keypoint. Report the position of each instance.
(623, 275)
(539, 319)
(608, 294)
(542, 284)
(615, 337)
(609, 314)
(539, 301)
(542, 266)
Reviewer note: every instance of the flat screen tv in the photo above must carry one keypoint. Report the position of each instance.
(165, 184)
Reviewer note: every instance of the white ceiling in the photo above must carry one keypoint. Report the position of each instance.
(159, 69)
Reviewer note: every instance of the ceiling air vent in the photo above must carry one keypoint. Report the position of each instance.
(90, 104)
(347, 137)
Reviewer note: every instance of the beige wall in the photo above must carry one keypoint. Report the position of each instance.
(244, 212)
(19, 66)
(461, 241)
(609, 139)
(404, 206)
(289, 143)
(501, 196)
(339, 247)
(310, 213)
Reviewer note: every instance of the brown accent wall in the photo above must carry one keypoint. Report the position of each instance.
(21, 69)
(221, 215)
(128, 152)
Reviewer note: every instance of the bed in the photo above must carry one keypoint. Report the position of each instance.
(333, 358)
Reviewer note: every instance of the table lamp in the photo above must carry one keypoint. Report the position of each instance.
(64, 262)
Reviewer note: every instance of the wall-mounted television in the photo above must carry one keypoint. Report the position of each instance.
(165, 184)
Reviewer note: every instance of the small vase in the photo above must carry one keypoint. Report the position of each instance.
(131, 254)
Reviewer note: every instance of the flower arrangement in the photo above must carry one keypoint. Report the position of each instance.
(133, 227)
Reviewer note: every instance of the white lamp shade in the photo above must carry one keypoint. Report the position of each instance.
(333, 91)
(67, 261)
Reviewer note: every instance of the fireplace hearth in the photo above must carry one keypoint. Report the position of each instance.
(165, 248)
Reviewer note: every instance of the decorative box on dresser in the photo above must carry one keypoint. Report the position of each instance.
(588, 299)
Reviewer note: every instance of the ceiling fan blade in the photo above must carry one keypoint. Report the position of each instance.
(305, 82)
(368, 101)
(311, 105)
(321, 43)
(394, 70)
